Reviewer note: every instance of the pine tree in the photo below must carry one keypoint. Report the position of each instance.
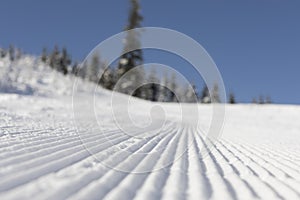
(268, 100)
(137, 79)
(205, 96)
(93, 68)
(191, 95)
(82, 70)
(261, 100)
(64, 62)
(254, 101)
(60, 61)
(152, 89)
(11, 52)
(18, 53)
(172, 87)
(134, 58)
(231, 98)
(75, 68)
(2, 53)
(162, 89)
(215, 98)
(55, 58)
(108, 78)
(44, 56)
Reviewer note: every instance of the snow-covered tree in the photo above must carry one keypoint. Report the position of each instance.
(138, 75)
(172, 88)
(108, 78)
(93, 68)
(11, 52)
(162, 89)
(44, 56)
(131, 59)
(215, 98)
(75, 68)
(65, 61)
(205, 96)
(60, 60)
(152, 89)
(191, 95)
(18, 53)
(2, 53)
(82, 70)
(55, 58)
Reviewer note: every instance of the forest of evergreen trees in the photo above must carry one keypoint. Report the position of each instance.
(171, 91)
(61, 61)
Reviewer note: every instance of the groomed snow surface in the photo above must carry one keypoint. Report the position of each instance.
(43, 156)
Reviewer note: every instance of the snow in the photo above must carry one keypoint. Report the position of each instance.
(43, 156)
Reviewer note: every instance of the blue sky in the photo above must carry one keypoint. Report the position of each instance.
(255, 44)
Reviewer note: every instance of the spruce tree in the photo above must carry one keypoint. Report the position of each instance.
(215, 98)
(231, 98)
(2, 53)
(55, 58)
(268, 100)
(44, 56)
(152, 89)
(172, 88)
(75, 68)
(65, 61)
(162, 89)
(108, 78)
(261, 100)
(134, 58)
(93, 68)
(11, 52)
(18, 53)
(191, 95)
(137, 79)
(82, 70)
(205, 96)
(254, 101)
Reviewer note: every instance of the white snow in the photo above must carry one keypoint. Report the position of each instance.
(42, 156)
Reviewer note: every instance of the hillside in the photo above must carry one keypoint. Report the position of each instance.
(46, 153)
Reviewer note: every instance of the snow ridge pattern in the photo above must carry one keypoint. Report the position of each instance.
(42, 156)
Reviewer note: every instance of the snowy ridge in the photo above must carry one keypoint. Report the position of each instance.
(30, 76)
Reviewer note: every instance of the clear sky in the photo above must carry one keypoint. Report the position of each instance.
(255, 44)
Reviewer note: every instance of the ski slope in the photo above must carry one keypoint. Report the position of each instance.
(43, 156)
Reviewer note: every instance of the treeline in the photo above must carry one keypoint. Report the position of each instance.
(165, 89)
(60, 60)
(169, 90)
(262, 100)
(12, 52)
(89, 70)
